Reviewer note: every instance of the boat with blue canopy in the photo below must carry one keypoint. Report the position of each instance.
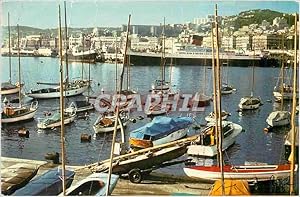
(161, 130)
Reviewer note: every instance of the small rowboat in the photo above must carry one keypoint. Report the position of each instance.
(248, 172)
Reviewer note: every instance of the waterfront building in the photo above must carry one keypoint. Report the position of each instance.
(243, 43)
(228, 42)
(267, 41)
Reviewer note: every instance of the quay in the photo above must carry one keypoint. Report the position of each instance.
(155, 184)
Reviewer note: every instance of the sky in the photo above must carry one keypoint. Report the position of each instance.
(114, 13)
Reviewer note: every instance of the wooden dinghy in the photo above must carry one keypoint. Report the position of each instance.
(16, 176)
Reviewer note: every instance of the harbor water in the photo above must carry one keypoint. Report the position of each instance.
(253, 145)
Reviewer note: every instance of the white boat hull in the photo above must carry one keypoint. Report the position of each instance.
(171, 137)
(99, 129)
(250, 176)
(67, 93)
(56, 124)
(278, 122)
(286, 96)
(244, 106)
(211, 150)
(28, 116)
(10, 91)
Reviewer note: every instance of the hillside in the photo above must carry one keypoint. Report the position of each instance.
(246, 18)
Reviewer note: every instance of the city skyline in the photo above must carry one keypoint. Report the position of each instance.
(115, 13)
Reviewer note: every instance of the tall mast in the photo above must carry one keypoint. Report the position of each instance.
(125, 52)
(117, 119)
(116, 48)
(82, 56)
(218, 115)
(19, 67)
(67, 44)
(164, 51)
(62, 129)
(293, 129)
(252, 85)
(9, 51)
(214, 83)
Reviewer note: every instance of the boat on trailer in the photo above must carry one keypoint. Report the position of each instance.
(250, 173)
(161, 130)
(93, 185)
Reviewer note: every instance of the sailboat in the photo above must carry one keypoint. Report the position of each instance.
(226, 88)
(211, 116)
(250, 102)
(161, 85)
(200, 97)
(280, 117)
(11, 114)
(71, 88)
(8, 87)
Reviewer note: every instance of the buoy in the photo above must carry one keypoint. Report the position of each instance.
(132, 120)
(85, 137)
(54, 157)
(266, 129)
(23, 133)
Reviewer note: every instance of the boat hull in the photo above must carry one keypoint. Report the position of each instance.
(98, 129)
(41, 125)
(248, 173)
(254, 103)
(278, 122)
(140, 143)
(212, 150)
(27, 116)
(147, 161)
(56, 94)
(10, 91)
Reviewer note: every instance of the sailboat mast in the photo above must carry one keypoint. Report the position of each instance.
(292, 184)
(67, 44)
(252, 85)
(214, 83)
(117, 118)
(116, 48)
(218, 115)
(164, 51)
(9, 50)
(19, 67)
(62, 130)
(125, 52)
(82, 56)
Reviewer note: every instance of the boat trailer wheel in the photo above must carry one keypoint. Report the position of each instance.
(135, 175)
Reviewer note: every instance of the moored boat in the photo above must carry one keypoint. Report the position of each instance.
(249, 103)
(211, 116)
(248, 172)
(161, 130)
(54, 120)
(279, 118)
(206, 145)
(105, 123)
(72, 89)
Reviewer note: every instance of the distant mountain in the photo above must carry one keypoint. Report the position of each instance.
(246, 18)
(25, 31)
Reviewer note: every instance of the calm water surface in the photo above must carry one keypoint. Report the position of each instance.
(251, 145)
